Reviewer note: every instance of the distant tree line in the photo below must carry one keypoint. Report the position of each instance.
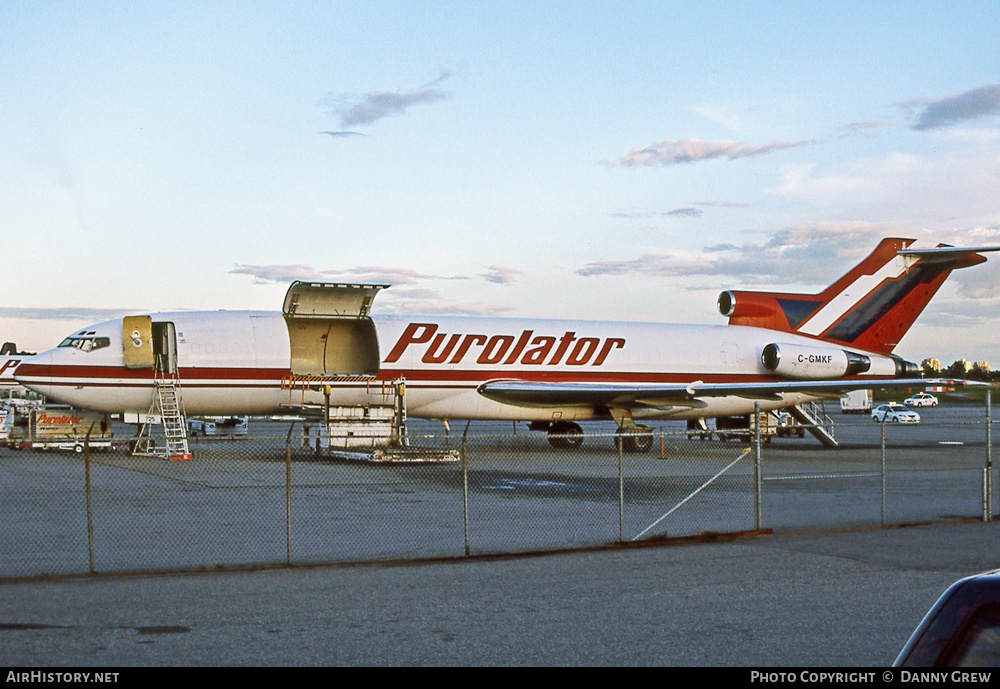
(962, 369)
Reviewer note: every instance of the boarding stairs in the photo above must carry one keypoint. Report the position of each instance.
(814, 419)
(166, 410)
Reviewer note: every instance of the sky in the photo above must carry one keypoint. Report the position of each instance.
(594, 160)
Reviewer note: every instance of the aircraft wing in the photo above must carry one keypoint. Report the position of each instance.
(625, 396)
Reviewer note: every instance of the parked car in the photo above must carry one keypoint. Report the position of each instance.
(961, 630)
(894, 413)
(921, 399)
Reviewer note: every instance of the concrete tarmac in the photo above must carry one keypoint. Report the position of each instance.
(844, 598)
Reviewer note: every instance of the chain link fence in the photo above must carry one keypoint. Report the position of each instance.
(274, 498)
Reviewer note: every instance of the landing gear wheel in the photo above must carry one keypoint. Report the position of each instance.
(565, 435)
(637, 439)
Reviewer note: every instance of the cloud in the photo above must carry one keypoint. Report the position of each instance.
(367, 274)
(632, 216)
(685, 212)
(969, 106)
(960, 313)
(666, 153)
(721, 204)
(84, 315)
(953, 186)
(393, 276)
(865, 129)
(808, 254)
(373, 106)
(277, 273)
(801, 254)
(660, 265)
(501, 274)
(413, 301)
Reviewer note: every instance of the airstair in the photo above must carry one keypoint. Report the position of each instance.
(165, 410)
(814, 419)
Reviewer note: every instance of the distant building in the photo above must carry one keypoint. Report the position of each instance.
(983, 366)
(931, 365)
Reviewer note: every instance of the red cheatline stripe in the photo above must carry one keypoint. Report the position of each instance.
(270, 377)
(189, 377)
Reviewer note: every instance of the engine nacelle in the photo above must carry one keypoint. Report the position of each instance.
(769, 310)
(812, 363)
(736, 304)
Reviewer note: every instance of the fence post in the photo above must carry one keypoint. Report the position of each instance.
(288, 495)
(621, 493)
(90, 514)
(988, 485)
(465, 488)
(757, 471)
(884, 417)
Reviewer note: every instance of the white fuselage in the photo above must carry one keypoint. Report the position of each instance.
(238, 363)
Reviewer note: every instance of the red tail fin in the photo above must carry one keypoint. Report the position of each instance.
(871, 307)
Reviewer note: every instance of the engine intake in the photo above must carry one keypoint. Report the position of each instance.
(812, 363)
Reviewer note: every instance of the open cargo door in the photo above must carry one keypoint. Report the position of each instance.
(329, 329)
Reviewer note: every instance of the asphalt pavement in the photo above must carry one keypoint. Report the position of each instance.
(830, 598)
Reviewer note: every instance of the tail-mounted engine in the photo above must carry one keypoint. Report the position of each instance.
(819, 363)
(813, 363)
(769, 310)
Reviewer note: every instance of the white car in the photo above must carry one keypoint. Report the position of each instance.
(894, 413)
(921, 399)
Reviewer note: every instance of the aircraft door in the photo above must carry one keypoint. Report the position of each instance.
(329, 331)
(137, 341)
(165, 347)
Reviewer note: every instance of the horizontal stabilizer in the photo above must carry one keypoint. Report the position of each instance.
(946, 254)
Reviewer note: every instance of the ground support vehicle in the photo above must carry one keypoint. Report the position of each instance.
(743, 428)
(60, 428)
(856, 402)
(788, 427)
(223, 427)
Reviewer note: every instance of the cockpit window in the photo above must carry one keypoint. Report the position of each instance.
(86, 344)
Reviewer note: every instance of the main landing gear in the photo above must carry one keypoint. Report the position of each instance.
(567, 435)
(635, 439)
(631, 436)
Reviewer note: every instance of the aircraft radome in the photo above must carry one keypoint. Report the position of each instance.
(778, 349)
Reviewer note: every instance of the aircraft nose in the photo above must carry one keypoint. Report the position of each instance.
(36, 374)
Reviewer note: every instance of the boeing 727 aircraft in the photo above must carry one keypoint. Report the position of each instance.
(779, 349)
